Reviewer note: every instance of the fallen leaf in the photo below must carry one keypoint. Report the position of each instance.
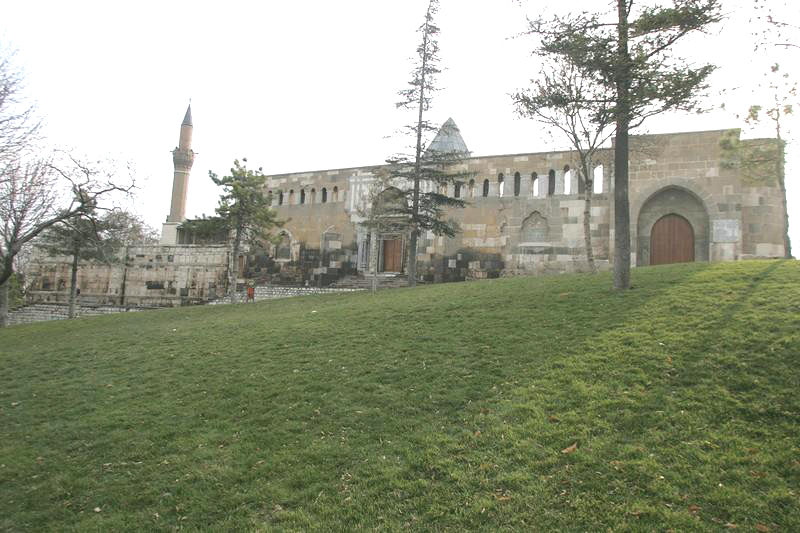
(478, 433)
(762, 528)
(730, 525)
(694, 509)
(570, 449)
(552, 419)
(97, 509)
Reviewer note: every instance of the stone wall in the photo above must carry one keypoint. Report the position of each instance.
(525, 211)
(45, 312)
(149, 276)
(524, 215)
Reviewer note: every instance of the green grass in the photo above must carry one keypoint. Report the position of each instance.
(442, 408)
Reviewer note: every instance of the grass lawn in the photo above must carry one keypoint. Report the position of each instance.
(527, 404)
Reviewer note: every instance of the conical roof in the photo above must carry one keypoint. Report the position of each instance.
(448, 140)
(187, 119)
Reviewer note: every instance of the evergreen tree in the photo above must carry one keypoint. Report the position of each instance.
(243, 213)
(631, 57)
(421, 176)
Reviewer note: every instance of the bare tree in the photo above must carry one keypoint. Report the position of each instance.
(765, 159)
(571, 101)
(19, 124)
(95, 237)
(35, 194)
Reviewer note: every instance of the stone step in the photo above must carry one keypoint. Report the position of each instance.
(365, 281)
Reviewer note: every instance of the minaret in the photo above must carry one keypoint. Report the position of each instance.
(182, 159)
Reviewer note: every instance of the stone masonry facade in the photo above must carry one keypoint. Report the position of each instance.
(524, 215)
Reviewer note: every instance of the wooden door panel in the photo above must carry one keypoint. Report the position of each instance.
(392, 255)
(671, 241)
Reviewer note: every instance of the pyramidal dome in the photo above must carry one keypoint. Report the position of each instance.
(448, 140)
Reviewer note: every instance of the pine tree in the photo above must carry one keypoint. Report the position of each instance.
(243, 213)
(631, 57)
(421, 175)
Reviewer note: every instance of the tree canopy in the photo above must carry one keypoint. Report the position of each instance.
(629, 54)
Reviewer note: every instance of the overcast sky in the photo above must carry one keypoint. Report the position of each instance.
(311, 85)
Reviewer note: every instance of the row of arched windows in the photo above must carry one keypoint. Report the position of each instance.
(597, 184)
(291, 198)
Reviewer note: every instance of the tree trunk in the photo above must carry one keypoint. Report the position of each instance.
(4, 302)
(73, 285)
(588, 184)
(587, 229)
(412, 241)
(373, 258)
(622, 215)
(233, 271)
(787, 243)
(412, 257)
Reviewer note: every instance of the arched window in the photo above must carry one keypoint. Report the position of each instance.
(324, 195)
(551, 182)
(335, 194)
(517, 183)
(598, 179)
(302, 196)
(313, 196)
(291, 196)
(280, 197)
(535, 184)
(500, 184)
(485, 188)
(269, 198)
(457, 190)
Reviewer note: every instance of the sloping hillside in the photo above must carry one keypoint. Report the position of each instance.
(531, 404)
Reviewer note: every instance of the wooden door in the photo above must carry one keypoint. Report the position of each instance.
(392, 255)
(671, 241)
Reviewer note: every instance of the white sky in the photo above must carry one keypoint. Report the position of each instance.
(311, 85)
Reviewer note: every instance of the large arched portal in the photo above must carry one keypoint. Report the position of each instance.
(673, 227)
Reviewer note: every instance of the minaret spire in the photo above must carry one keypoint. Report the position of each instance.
(182, 159)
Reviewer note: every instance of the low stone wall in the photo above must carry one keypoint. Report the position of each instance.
(44, 312)
(274, 292)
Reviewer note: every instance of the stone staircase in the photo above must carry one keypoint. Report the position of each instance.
(364, 281)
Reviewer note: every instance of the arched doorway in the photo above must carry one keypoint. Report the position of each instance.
(391, 208)
(675, 221)
(671, 241)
